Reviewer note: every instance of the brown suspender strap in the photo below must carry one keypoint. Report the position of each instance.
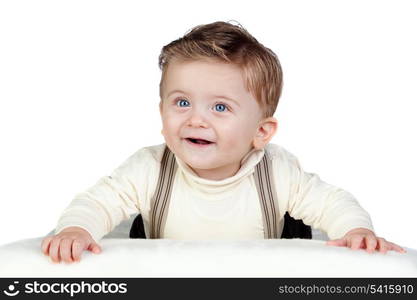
(160, 201)
(264, 185)
(267, 196)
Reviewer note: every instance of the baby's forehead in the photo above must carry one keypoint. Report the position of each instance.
(211, 81)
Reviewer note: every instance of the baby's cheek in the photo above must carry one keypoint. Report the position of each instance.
(236, 146)
(169, 127)
(239, 136)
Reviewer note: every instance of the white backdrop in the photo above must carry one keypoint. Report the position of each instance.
(79, 94)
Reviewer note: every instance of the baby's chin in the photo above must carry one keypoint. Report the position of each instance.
(201, 164)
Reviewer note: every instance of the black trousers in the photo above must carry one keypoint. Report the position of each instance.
(292, 229)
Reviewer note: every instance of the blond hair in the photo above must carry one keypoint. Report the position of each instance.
(231, 44)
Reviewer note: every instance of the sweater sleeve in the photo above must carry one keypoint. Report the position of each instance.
(321, 205)
(110, 200)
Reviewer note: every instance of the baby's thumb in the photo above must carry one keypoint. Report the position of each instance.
(338, 242)
(94, 247)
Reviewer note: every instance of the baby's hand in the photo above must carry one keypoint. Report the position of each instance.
(361, 238)
(69, 244)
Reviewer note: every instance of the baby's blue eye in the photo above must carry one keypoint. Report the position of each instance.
(220, 107)
(182, 102)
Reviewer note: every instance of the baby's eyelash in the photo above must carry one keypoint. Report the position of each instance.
(177, 100)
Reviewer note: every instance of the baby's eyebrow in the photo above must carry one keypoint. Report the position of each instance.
(227, 98)
(176, 91)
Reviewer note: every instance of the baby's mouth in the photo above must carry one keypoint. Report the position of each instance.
(199, 141)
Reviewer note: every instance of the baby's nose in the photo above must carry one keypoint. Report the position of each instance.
(197, 119)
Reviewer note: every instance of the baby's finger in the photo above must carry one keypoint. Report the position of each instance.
(383, 246)
(397, 248)
(94, 247)
(355, 242)
(53, 250)
(78, 246)
(371, 243)
(65, 250)
(338, 243)
(45, 244)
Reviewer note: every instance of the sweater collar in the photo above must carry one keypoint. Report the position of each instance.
(248, 163)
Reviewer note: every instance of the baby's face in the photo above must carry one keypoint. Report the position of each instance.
(209, 118)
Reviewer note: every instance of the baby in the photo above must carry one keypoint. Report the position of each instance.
(219, 90)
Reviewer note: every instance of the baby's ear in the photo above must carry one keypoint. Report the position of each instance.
(266, 130)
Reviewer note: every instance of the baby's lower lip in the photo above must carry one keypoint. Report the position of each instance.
(198, 145)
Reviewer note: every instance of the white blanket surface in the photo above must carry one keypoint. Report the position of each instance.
(175, 258)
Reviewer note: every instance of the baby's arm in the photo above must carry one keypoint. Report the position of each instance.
(96, 211)
(332, 210)
(69, 244)
(362, 238)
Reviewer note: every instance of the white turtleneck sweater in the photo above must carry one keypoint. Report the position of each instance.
(213, 209)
